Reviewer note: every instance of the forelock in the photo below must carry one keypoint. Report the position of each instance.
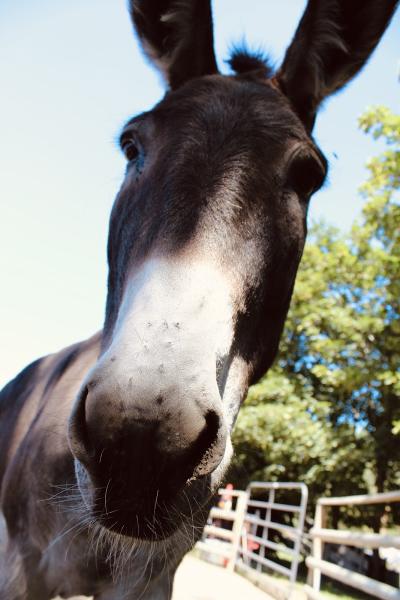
(243, 60)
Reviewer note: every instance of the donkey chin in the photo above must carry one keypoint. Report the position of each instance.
(151, 515)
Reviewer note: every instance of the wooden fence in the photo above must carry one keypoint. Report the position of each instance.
(320, 535)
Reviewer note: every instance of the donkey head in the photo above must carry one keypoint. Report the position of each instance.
(206, 236)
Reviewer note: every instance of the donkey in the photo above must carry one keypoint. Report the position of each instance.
(112, 449)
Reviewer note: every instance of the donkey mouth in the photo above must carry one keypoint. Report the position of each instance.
(154, 515)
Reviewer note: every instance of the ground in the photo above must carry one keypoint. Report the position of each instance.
(198, 580)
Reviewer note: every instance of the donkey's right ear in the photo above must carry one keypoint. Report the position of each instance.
(332, 43)
(177, 36)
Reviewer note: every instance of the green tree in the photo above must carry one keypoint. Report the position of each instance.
(352, 332)
(379, 239)
(284, 434)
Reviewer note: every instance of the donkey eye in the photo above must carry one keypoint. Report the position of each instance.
(306, 173)
(130, 149)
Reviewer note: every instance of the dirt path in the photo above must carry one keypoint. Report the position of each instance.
(198, 580)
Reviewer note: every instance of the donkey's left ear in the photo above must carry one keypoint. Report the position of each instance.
(177, 36)
(332, 43)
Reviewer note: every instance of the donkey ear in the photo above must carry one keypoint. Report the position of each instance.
(332, 43)
(177, 35)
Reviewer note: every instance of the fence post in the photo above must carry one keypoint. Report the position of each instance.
(318, 547)
(237, 529)
(300, 527)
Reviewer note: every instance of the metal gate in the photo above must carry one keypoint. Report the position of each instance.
(261, 523)
(244, 527)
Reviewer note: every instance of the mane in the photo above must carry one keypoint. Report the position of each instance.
(243, 60)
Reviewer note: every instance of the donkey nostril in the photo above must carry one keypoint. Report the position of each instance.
(201, 452)
(212, 424)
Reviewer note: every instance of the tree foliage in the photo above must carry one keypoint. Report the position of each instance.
(328, 413)
(284, 434)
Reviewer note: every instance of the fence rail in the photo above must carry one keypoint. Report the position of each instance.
(384, 498)
(358, 540)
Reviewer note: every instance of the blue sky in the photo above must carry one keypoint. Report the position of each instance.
(71, 74)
